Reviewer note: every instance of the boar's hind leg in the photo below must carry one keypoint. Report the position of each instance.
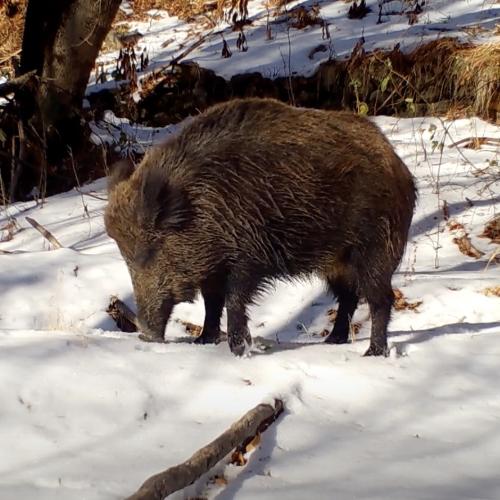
(380, 299)
(213, 292)
(348, 301)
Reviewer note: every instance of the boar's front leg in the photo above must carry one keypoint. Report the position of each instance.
(213, 291)
(380, 299)
(237, 299)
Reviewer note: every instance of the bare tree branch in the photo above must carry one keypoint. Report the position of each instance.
(175, 478)
(16, 83)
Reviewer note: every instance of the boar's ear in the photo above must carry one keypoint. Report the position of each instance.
(120, 171)
(163, 205)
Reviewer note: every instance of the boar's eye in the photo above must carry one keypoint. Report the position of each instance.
(144, 255)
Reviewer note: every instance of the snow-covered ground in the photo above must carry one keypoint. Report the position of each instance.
(300, 51)
(88, 412)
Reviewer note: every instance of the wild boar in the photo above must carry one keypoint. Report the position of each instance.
(253, 190)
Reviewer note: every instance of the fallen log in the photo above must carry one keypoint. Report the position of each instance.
(175, 478)
(125, 318)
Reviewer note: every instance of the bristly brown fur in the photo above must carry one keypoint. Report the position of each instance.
(254, 190)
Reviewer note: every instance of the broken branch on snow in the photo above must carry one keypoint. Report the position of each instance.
(45, 233)
(175, 478)
(125, 318)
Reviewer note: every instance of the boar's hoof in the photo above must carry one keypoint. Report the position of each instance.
(377, 350)
(336, 339)
(237, 345)
(150, 338)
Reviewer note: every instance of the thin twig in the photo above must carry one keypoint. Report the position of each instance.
(85, 208)
(290, 82)
(11, 252)
(482, 140)
(44, 232)
(78, 190)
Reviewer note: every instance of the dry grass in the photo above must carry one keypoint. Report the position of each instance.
(183, 9)
(190, 9)
(11, 32)
(468, 67)
(441, 76)
(479, 67)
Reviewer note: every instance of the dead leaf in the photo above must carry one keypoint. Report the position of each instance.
(402, 304)
(8, 230)
(453, 225)
(192, 329)
(254, 443)
(355, 328)
(332, 316)
(465, 245)
(492, 291)
(220, 480)
(195, 330)
(492, 230)
(238, 459)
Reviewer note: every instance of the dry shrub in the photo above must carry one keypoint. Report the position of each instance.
(479, 68)
(467, 70)
(301, 17)
(434, 77)
(279, 6)
(358, 11)
(11, 32)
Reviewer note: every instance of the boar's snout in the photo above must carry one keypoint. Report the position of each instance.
(153, 319)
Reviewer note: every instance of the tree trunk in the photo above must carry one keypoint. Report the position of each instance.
(61, 41)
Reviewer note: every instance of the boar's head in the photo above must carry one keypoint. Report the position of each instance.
(146, 215)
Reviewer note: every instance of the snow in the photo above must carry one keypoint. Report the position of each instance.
(288, 52)
(126, 136)
(90, 412)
